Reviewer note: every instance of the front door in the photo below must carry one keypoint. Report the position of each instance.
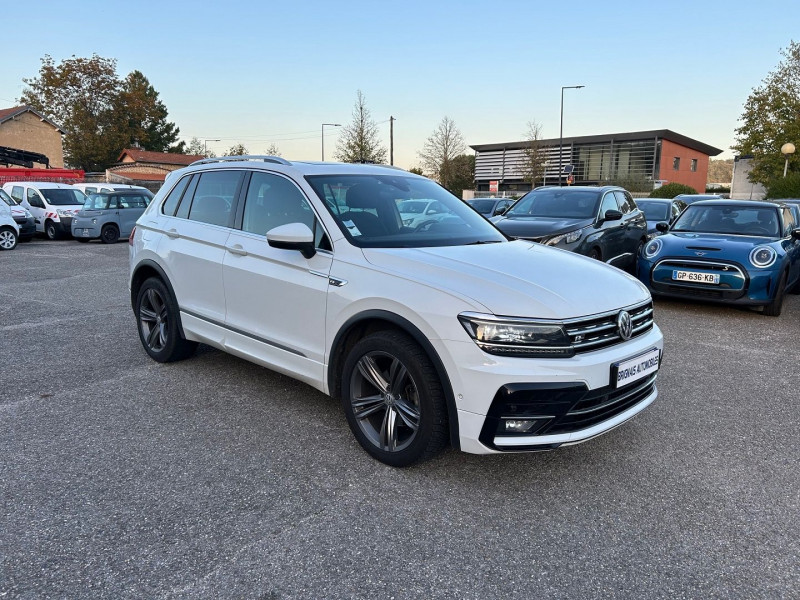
(276, 299)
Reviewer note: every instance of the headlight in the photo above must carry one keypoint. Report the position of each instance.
(517, 337)
(408, 222)
(569, 237)
(652, 248)
(763, 256)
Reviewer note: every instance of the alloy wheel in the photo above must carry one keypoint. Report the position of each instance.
(153, 320)
(7, 240)
(385, 401)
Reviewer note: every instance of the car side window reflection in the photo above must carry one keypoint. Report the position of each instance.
(273, 201)
(609, 203)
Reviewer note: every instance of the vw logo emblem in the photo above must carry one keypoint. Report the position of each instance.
(700, 253)
(624, 325)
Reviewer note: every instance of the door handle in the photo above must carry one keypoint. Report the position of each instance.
(173, 233)
(237, 249)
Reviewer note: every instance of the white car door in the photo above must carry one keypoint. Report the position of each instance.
(276, 299)
(193, 241)
(35, 203)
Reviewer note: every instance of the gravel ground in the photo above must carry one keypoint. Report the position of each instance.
(215, 478)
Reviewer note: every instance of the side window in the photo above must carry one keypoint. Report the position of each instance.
(788, 221)
(609, 203)
(213, 198)
(90, 190)
(622, 201)
(273, 201)
(34, 199)
(171, 203)
(16, 193)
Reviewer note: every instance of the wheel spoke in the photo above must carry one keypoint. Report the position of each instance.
(371, 373)
(364, 407)
(152, 336)
(389, 430)
(147, 315)
(162, 335)
(408, 413)
(397, 374)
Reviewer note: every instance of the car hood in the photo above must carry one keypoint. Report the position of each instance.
(712, 244)
(534, 227)
(516, 278)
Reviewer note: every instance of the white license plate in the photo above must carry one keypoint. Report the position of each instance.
(695, 277)
(633, 369)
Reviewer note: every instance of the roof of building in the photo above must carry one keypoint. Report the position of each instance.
(133, 175)
(622, 137)
(6, 114)
(164, 158)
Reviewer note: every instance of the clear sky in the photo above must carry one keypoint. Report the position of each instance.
(272, 72)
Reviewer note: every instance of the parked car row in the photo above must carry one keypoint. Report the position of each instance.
(61, 210)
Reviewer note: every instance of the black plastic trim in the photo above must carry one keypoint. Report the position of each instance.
(422, 340)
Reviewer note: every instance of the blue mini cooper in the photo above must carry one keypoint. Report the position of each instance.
(731, 251)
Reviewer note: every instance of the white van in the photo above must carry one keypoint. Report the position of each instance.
(53, 205)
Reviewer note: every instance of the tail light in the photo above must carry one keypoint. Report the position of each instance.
(130, 239)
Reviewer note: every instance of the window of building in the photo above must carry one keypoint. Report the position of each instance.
(694, 165)
(676, 163)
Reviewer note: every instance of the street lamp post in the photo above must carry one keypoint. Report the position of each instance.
(787, 150)
(561, 128)
(323, 136)
(205, 146)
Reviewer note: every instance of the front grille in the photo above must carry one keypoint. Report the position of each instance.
(602, 404)
(602, 331)
(694, 265)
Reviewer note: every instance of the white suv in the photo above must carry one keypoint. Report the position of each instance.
(445, 332)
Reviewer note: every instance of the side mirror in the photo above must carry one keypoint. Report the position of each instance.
(293, 236)
(662, 227)
(796, 234)
(500, 211)
(612, 215)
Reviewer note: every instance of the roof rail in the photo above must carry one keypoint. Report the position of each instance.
(243, 157)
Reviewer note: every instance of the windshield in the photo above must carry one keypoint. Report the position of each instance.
(563, 203)
(482, 206)
(63, 197)
(367, 210)
(96, 202)
(7, 199)
(729, 219)
(654, 211)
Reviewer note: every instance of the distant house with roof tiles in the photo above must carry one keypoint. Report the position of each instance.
(144, 167)
(22, 128)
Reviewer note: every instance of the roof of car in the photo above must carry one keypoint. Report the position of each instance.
(736, 203)
(299, 167)
(45, 185)
(119, 192)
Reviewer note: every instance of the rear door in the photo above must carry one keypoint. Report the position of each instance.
(131, 207)
(277, 298)
(613, 232)
(635, 224)
(195, 230)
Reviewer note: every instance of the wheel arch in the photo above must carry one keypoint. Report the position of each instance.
(144, 270)
(370, 321)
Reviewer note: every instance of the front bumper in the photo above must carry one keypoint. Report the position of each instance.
(64, 225)
(478, 379)
(27, 227)
(84, 228)
(738, 285)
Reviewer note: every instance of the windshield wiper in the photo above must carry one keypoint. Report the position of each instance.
(484, 242)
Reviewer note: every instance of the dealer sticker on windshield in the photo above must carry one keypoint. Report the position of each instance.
(633, 369)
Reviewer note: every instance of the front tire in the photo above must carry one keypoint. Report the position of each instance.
(774, 308)
(595, 254)
(50, 230)
(157, 321)
(393, 399)
(8, 238)
(109, 234)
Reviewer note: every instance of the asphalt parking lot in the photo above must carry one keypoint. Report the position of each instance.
(215, 478)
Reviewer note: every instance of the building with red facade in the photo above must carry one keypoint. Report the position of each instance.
(639, 159)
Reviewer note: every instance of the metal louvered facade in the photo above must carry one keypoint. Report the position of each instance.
(626, 159)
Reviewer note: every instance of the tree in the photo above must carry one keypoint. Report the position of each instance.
(463, 174)
(80, 95)
(671, 190)
(720, 171)
(416, 171)
(440, 149)
(237, 150)
(358, 142)
(197, 148)
(145, 116)
(784, 187)
(273, 150)
(534, 156)
(771, 118)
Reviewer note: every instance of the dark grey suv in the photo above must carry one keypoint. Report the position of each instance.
(600, 222)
